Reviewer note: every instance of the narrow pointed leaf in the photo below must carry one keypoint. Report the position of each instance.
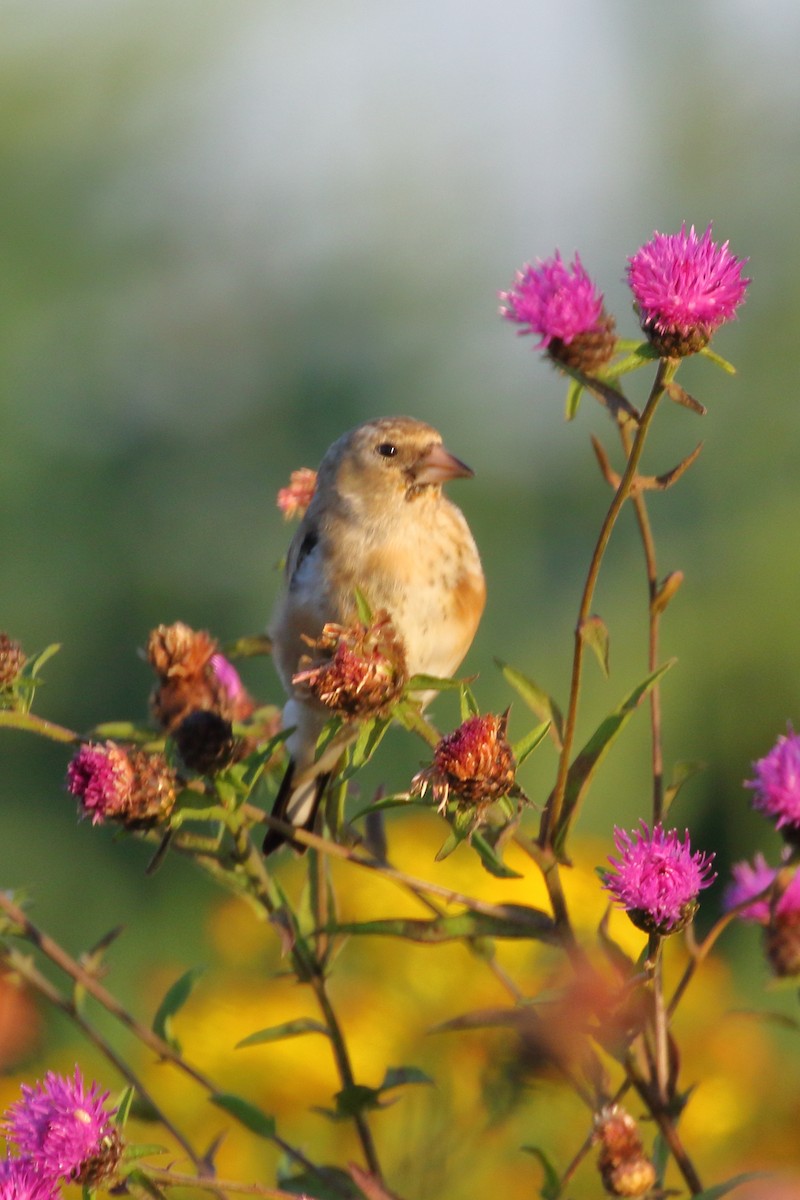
(536, 699)
(594, 634)
(173, 1001)
(246, 1114)
(278, 1033)
(511, 921)
(718, 360)
(370, 736)
(433, 683)
(584, 766)
(682, 772)
(469, 705)
(363, 608)
(722, 1189)
(573, 402)
(529, 741)
(139, 1181)
(400, 1076)
(551, 1185)
(491, 860)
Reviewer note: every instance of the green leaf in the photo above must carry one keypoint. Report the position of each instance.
(355, 1099)
(277, 1033)
(718, 360)
(469, 705)
(574, 389)
(491, 860)
(409, 714)
(143, 1150)
(722, 1189)
(453, 840)
(536, 699)
(124, 731)
(510, 921)
(641, 355)
(594, 634)
(551, 1186)
(137, 1181)
(399, 1076)
(173, 1001)
(370, 736)
(34, 665)
(246, 1114)
(433, 683)
(529, 741)
(123, 1106)
(583, 767)
(682, 772)
(326, 1183)
(363, 608)
(32, 724)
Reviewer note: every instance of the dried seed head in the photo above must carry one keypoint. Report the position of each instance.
(206, 743)
(358, 670)
(12, 660)
(624, 1167)
(475, 762)
(193, 676)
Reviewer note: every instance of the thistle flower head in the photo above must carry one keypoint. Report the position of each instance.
(777, 785)
(357, 670)
(295, 499)
(65, 1128)
(656, 878)
(475, 763)
(560, 303)
(102, 778)
(782, 933)
(624, 1167)
(21, 1179)
(749, 880)
(685, 287)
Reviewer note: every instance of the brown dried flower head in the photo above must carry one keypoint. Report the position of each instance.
(624, 1167)
(475, 762)
(192, 676)
(206, 742)
(358, 670)
(101, 1168)
(12, 660)
(153, 793)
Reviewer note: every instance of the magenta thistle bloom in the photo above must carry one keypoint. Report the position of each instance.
(657, 878)
(748, 881)
(777, 785)
(102, 778)
(685, 288)
(228, 677)
(562, 306)
(21, 1180)
(294, 499)
(65, 1128)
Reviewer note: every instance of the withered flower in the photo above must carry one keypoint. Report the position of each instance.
(624, 1167)
(206, 742)
(192, 676)
(475, 763)
(357, 670)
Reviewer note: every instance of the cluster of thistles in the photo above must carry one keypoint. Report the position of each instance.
(770, 896)
(684, 286)
(63, 1132)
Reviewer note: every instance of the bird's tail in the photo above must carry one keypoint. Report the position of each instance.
(297, 802)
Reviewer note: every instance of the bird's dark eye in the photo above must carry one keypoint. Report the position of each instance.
(387, 449)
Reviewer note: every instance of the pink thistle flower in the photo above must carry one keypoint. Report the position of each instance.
(748, 881)
(102, 778)
(295, 499)
(228, 678)
(20, 1179)
(657, 879)
(777, 785)
(685, 287)
(562, 306)
(65, 1128)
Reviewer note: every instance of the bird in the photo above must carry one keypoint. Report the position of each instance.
(379, 524)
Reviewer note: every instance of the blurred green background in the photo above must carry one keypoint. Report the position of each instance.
(231, 231)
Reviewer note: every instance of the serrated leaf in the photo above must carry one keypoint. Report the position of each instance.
(245, 1113)
(400, 1076)
(594, 634)
(551, 1187)
(536, 699)
(173, 1001)
(526, 745)
(722, 1189)
(278, 1033)
(510, 921)
(583, 767)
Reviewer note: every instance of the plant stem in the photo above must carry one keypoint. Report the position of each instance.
(552, 812)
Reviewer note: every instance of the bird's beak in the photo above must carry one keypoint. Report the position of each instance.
(437, 465)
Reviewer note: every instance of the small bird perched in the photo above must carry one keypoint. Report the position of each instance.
(378, 523)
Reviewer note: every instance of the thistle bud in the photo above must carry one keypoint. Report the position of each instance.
(205, 742)
(12, 660)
